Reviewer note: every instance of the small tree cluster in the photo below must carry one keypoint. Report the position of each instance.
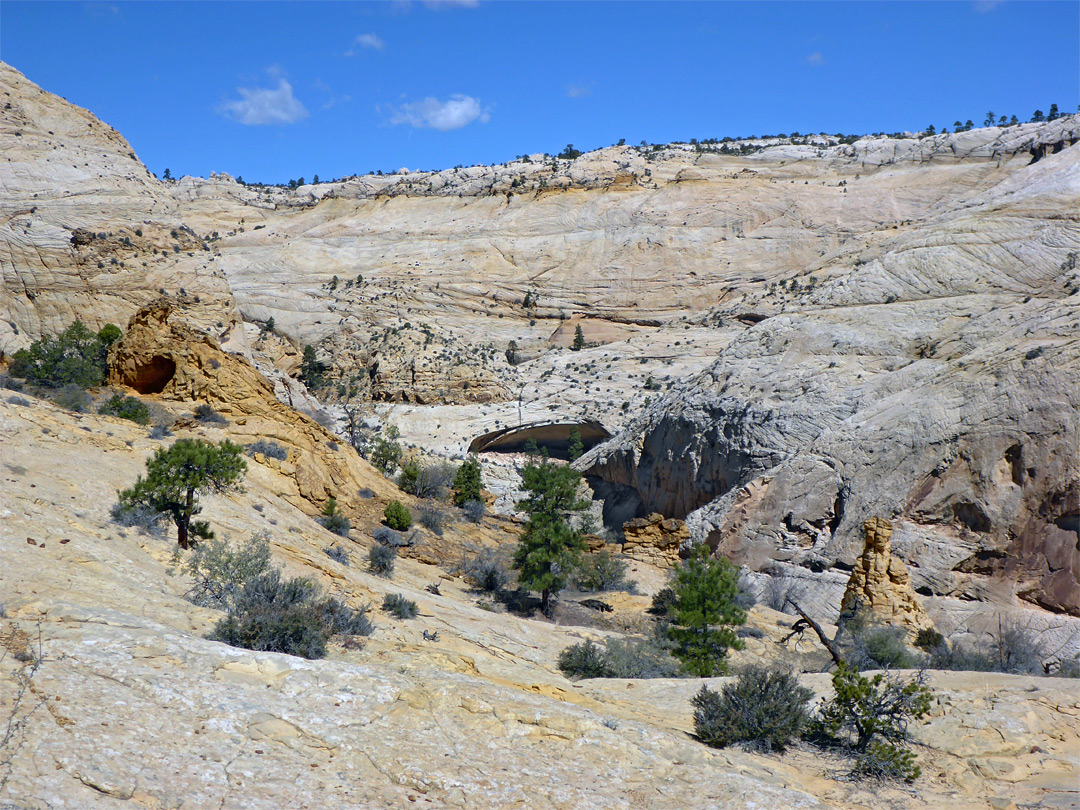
(124, 407)
(264, 610)
(619, 658)
(76, 357)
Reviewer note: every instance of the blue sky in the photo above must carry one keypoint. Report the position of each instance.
(274, 91)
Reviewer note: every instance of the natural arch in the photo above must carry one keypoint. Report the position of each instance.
(551, 436)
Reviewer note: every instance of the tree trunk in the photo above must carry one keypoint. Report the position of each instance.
(182, 534)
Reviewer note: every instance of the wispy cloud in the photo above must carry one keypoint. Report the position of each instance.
(579, 89)
(430, 113)
(102, 10)
(983, 6)
(371, 42)
(441, 4)
(815, 59)
(261, 105)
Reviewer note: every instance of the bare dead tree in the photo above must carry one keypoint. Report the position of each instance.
(24, 701)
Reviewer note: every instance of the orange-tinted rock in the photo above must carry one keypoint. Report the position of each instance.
(880, 583)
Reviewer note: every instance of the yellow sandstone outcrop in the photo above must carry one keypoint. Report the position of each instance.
(880, 583)
(179, 363)
(654, 539)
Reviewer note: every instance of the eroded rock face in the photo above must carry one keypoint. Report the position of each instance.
(655, 540)
(880, 583)
(953, 409)
(160, 355)
(88, 232)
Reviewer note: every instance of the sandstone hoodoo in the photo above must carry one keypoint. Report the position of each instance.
(880, 584)
(750, 350)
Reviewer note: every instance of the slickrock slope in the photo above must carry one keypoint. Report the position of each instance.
(929, 378)
(135, 709)
(85, 230)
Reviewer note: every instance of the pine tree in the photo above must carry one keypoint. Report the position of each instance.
(575, 447)
(311, 370)
(550, 545)
(705, 610)
(175, 478)
(579, 339)
(467, 482)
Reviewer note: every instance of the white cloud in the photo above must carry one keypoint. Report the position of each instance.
(579, 90)
(260, 105)
(371, 41)
(430, 113)
(983, 6)
(815, 58)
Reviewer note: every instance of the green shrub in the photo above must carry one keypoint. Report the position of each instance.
(398, 606)
(397, 516)
(602, 572)
(765, 709)
(928, 639)
(333, 520)
(582, 661)
(381, 560)
(124, 407)
(868, 718)
(473, 510)
(73, 398)
(467, 482)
